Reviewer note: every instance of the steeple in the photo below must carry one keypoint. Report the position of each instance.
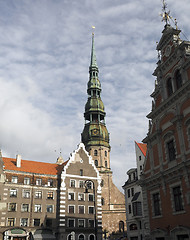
(95, 132)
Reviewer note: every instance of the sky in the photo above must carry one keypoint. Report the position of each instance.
(45, 48)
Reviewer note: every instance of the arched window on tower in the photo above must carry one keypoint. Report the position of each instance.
(178, 79)
(106, 153)
(95, 152)
(169, 87)
(121, 226)
(96, 163)
(106, 164)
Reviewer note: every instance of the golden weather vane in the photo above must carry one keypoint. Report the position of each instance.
(165, 15)
(93, 27)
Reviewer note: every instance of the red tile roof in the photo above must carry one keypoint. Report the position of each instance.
(32, 166)
(143, 147)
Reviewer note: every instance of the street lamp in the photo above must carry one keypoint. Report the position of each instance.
(86, 191)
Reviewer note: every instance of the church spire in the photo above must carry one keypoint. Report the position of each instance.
(93, 54)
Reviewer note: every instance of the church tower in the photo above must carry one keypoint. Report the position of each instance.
(95, 137)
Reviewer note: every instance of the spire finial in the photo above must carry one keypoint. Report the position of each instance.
(93, 54)
(165, 15)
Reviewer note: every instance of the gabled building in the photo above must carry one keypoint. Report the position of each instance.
(95, 137)
(133, 197)
(165, 181)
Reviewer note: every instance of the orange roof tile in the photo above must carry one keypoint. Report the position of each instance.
(143, 147)
(33, 166)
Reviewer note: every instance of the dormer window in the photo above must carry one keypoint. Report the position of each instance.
(169, 87)
(178, 79)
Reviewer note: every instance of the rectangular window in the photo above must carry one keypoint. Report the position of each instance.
(38, 194)
(13, 192)
(128, 193)
(132, 191)
(129, 209)
(25, 207)
(81, 209)
(24, 222)
(27, 181)
(49, 208)
(14, 179)
(26, 193)
(81, 223)
(71, 196)
(137, 209)
(10, 222)
(81, 184)
(71, 223)
(37, 208)
(171, 150)
(90, 197)
(89, 185)
(139, 158)
(156, 204)
(72, 183)
(81, 196)
(36, 222)
(81, 172)
(91, 210)
(91, 223)
(177, 196)
(50, 183)
(50, 195)
(38, 182)
(71, 209)
(12, 207)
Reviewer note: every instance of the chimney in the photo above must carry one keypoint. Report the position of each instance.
(18, 160)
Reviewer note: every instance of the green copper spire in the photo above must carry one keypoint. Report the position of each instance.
(95, 132)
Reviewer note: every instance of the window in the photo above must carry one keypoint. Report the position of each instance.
(121, 226)
(26, 193)
(38, 182)
(139, 158)
(72, 183)
(90, 197)
(71, 209)
(81, 223)
(178, 79)
(37, 208)
(128, 193)
(133, 226)
(140, 168)
(14, 179)
(24, 222)
(129, 208)
(38, 194)
(91, 210)
(102, 201)
(50, 195)
(36, 222)
(81, 172)
(13, 192)
(81, 184)
(25, 207)
(156, 204)
(106, 153)
(171, 150)
(177, 197)
(91, 223)
(169, 87)
(137, 209)
(49, 208)
(183, 237)
(81, 196)
(91, 237)
(102, 183)
(106, 164)
(50, 183)
(81, 237)
(81, 209)
(132, 191)
(27, 181)
(10, 222)
(89, 185)
(95, 152)
(71, 222)
(12, 207)
(96, 163)
(71, 196)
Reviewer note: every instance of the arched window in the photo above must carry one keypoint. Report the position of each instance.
(81, 237)
(102, 183)
(178, 79)
(106, 153)
(91, 237)
(106, 164)
(96, 163)
(133, 226)
(69, 237)
(169, 87)
(102, 201)
(121, 226)
(95, 152)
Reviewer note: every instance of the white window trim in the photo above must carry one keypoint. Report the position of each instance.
(71, 219)
(83, 196)
(81, 219)
(81, 206)
(89, 208)
(22, 207)
(69, 195)
(52, 208)
(40, 208)
(21, 222)
(25, 190)
(71, 181)
(69, 206)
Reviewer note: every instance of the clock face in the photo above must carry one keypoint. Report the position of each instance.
(95, 132)
(168, 51)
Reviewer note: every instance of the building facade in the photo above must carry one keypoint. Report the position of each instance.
(133, 197)
(95, 137)
(165, 180)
